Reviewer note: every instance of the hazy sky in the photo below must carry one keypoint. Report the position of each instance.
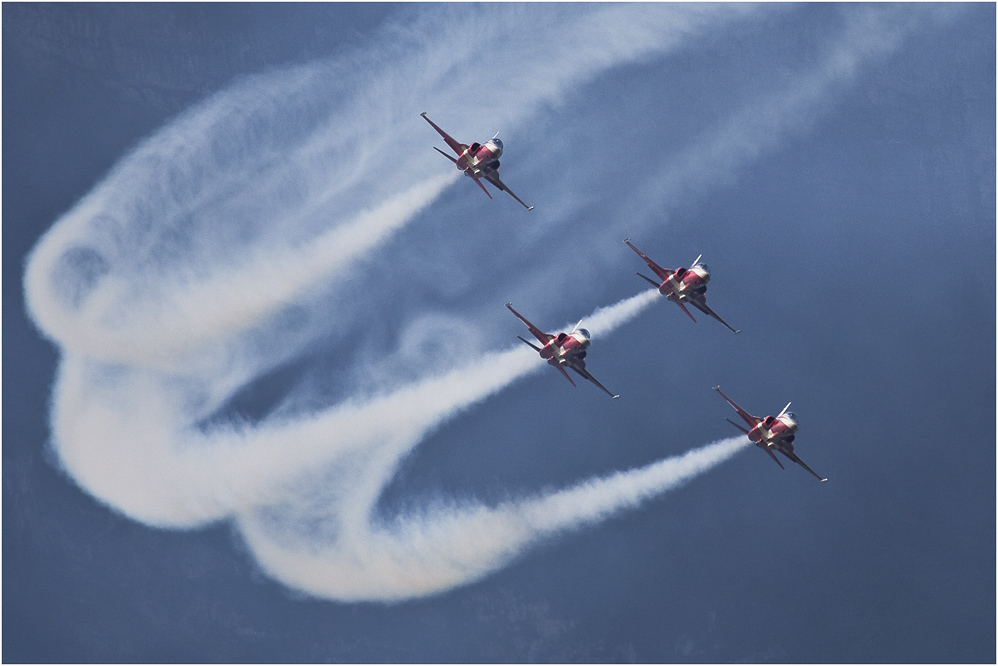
(263, 402)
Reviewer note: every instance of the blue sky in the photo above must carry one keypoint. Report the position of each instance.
(262, 401)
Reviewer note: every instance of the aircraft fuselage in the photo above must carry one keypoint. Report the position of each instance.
(685, 284)
(775, 432)
(480, 158)
(565, 346)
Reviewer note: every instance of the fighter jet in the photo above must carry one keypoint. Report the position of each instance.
(477, 160)
(564, 349)
(771, 433)
(683, 285)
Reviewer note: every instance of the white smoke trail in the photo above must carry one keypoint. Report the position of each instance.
(168, 474)
(763, 123)
(226, 201)
(420, 555)
(869, 33)
(166, 288)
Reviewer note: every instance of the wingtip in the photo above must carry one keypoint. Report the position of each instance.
(423, 114)
(530, 207)
(738, 331)
(510, 304)
(627, 240)
(615, 397)
(716, 388)
(823, 480)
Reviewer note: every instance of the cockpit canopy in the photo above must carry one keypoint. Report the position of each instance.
(498, 144)
(792, 416)
(584, 332)
(704, 267)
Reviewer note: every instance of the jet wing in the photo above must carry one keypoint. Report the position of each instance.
(663, 273)
(580, 367)
(538, 333)
(704, 308)
(748, 418)
(456, 146)
(793, 456)
(493, 177)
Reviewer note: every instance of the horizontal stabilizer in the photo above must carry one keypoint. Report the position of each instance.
(683, 307)
(445, 154)
(479, 183)
(560, 369)
(531, 344)
(652, 282)
(771, 455)
(735, 424)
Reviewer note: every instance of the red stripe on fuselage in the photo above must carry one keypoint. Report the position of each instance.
(689, 282)
(562, 346)
(774, 434)
(472, 160)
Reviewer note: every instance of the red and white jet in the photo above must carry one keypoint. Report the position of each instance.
(479, 160)
(564, 349)
(772, 432)
(683, 285)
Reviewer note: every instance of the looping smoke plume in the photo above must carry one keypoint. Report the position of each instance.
(230, 243)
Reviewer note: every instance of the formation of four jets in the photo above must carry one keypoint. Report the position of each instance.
(682, 286)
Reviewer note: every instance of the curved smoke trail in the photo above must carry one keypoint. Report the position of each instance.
(416, 555)
(227, 243)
